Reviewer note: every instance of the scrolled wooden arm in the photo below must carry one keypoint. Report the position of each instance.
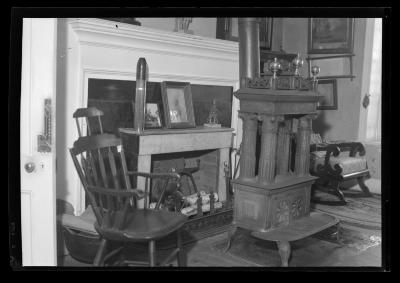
(357, 147)
(352, 147)
(331, 150)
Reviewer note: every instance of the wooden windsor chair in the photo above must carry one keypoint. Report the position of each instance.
(89, 114)
(118, 219)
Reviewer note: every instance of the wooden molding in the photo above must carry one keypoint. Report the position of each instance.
(109, 34)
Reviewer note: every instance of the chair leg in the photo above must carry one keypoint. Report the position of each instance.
(231, 233)
(98, 260)
(338, 232)
(152, 253)
(181, 256)
(338, 192)
(364, 187)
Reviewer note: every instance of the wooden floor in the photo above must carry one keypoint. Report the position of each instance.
(204, 254)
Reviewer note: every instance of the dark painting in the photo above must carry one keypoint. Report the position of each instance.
(330, 35)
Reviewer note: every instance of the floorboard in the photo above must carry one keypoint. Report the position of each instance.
(204, 254)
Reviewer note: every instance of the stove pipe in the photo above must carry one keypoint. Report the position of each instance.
(249, 49)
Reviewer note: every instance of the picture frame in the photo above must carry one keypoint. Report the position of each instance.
(227, 28)
(177, 104)
(328, 89)
(330, 35)
(266, 29)
(152, 116)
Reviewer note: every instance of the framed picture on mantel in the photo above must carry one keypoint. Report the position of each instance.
(152, 116)
(178, 104)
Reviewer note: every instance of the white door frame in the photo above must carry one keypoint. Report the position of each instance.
(38, 187)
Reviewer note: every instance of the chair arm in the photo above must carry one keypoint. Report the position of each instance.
(334, 150)
(117, 193)
(155, 175)
(357, 147)
(353, 147)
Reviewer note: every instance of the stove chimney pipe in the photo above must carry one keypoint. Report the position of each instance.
(249, 49)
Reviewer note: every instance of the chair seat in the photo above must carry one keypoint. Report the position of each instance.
(348, 164)
(144, 224)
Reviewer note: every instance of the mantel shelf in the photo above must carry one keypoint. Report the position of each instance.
(198, 129)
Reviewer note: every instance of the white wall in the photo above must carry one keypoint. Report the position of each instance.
(345, 122)
(206, 27)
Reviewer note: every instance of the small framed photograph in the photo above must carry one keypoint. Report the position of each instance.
(328, 89)
(152, 116)
(178, 104)
(330, 35)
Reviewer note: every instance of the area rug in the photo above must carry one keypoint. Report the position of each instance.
(319, 250)
(361, 211)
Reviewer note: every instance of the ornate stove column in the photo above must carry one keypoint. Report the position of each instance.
(302, 162)
(283, 148)
(248, 147)
(266, 168)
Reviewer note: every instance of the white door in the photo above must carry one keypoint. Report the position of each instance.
(38, 214)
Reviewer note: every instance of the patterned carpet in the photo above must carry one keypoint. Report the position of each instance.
(359, 243)
(364, 212)
(320, 250)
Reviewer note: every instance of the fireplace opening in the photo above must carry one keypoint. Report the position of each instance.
(205, 177)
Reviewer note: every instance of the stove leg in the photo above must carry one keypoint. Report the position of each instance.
(284, 252)
(338, 233)
(231, 233)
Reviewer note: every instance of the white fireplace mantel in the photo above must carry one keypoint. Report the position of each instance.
(97, 48)
(109, 34)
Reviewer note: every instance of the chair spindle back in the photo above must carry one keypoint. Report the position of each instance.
(88, 113)
(102, 169)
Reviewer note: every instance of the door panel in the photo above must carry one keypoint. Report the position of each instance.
(38, 214)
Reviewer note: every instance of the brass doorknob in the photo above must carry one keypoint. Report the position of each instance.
(29, 167)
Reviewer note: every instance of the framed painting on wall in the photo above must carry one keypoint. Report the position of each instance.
(330, 35)
(328, 89)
